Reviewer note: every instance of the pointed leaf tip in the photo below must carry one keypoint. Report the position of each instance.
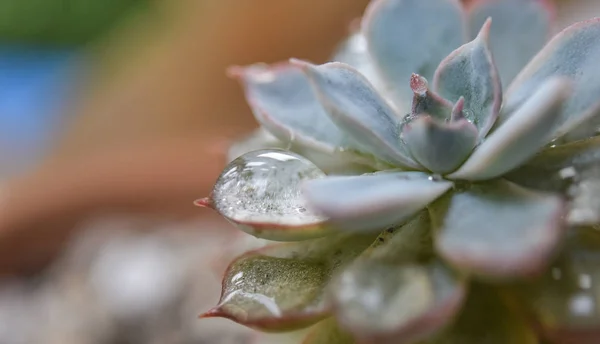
(470, 72)
(484, 33)
(441, 147)
(520, 30)
(205, 202)
(282, 287)
(521, 136)
(457, 110)
(215, 312)
(408, 36)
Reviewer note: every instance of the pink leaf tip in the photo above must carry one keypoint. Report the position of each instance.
(235, 72)
(484, 33)
(205, 202)
(418, 84)
(215, 312)
(457, 110)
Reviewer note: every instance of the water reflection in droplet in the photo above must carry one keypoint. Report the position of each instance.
(585, 281)
(264, 185)
(582, 304)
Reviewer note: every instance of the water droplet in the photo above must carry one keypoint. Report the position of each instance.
(582, 305)
(435, 178)
(470, 116)
(585, 281)
(568, 173)
(264, 187)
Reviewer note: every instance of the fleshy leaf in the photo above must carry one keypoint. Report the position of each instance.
(487, 318)
(427, 101)
(521, 27)
(281, 287)
(260, 192)
(390, 303)
(353, 51)
(393, 292)
(515, 141)
(586, 126)
(572, 169)
(373, 202)
(498, 229)
(411, 242)
(411, 36)
(441, 147)
(328, 332)
(284, 102)
(566, 300)
(574, 53)
(470, 72)
(336, 164)
(356, 107)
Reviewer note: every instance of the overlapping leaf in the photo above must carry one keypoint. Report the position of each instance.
(498, 229)
(373, 202)
(574, 53)
(411, 36)
(395, 293)
(470, 72)
(281, 287)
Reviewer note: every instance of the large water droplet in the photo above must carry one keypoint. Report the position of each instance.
(263, 187)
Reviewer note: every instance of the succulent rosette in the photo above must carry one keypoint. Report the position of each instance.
(421, 200)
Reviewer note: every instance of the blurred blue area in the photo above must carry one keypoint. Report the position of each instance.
(34, 89)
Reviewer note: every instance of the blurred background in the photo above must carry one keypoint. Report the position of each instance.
(114, 116)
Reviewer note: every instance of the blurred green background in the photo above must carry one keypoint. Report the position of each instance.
(61, 22)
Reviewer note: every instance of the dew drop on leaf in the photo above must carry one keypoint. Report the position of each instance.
(264, 187)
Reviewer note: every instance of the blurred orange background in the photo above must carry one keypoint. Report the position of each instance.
(144, 130)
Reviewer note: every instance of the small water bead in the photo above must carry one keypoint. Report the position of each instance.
(264, 187)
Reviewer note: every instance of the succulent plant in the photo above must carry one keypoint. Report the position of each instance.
(460, 212)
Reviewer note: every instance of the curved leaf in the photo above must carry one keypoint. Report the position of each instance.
(498, 229)
(520, 30)
(353, 51)
(260, 192)
(411, 36)
(487, 318)
(356, 107)
(411, 242)
(470, 72)
(441, 147)
(328, 332)
(281, 287)
(566, 300)
(373, 202)
(389, 303)
(518, 139)
(283, 101)
(574, 53)
(572, 169)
